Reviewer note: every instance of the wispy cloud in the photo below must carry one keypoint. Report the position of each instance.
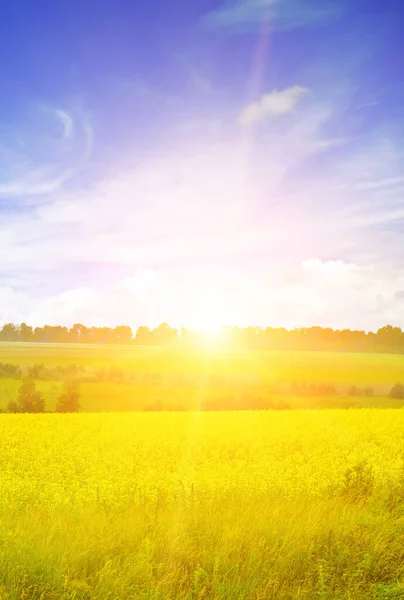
(32, 183)
(239, 16)
(368, 105)
(40, 165)
(67, 122)
(380, 183)
(274, 104)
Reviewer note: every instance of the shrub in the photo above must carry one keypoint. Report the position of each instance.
(155, 406)
(10, 370)
(101, 374)
(37, 371)
(282, 405)
(67, 371)
(321, 389)
(115, 374)
(367, 391)
(397, 391)
(299, 388)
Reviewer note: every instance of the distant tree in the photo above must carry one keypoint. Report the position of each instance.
(69, 400)
(123, 334)
(25, 332)
(38, 335)
(9, 333)
(144, 336)
(390, 338)
(29, 400)
(165, 334)
(78, 333)
(397, 391)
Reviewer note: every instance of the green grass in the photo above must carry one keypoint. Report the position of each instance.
(322, 367)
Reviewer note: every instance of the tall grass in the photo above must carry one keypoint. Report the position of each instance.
(202, 505)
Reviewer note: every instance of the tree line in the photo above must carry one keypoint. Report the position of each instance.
(386, 339)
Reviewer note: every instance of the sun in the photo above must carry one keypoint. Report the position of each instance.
(210, 328)
(207, 311)
(207, 322)
(206, 325)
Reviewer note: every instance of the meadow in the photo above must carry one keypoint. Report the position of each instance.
(197, 505)
(158, 378)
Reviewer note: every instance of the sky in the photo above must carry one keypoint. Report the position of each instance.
(202, 163)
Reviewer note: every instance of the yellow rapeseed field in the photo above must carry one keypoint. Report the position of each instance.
(294, 504)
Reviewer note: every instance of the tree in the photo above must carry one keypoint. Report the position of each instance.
(78, 333)
(144, 336)
(123, 334)
(390, 338)
(69, 400)
(165, 334)
(397, 391)
(26, 332)
(9, 333)
(29, 400)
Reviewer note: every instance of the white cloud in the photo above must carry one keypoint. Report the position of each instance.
(274, 104)
(13, 305)
(72, 306)
(326, 293)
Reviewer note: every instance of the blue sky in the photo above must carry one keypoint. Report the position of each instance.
(202, 162)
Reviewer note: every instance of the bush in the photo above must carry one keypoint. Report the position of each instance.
(282, 405)
(115, 374)
(37, 371)
(397, 391)
(10, 370)
(101, 374)
(299, 388)
(67, 372)
(155, 406)
(366, 392)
